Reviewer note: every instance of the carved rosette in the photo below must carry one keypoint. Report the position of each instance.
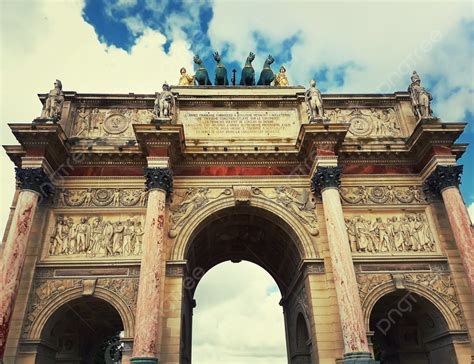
(159, 178)
(34, 179)
(326, 177)
(443, 177)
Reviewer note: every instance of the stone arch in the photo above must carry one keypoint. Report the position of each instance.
(304, 240)
(113, 299)
(386, 288)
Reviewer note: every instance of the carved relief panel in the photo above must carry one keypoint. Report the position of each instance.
(390, 233)
(371, 195)
(101, 197)
(94, 235)
(93, 123)
(368, 122)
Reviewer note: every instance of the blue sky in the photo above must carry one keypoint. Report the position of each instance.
(135, 45)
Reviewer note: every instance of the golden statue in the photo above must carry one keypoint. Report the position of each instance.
(281, 79)
(185, 79)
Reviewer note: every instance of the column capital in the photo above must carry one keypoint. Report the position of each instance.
(159, 178)
(34, 179)
(326, 177)
(443, 177)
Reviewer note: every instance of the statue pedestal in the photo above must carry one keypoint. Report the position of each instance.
(41, 120)
(318, 120)
(160, 121)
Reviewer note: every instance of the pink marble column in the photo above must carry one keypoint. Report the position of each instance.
(159, 183)
(326, 181)
(445, 180)
(31, 181)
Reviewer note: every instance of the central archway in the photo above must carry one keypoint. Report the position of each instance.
(256, 235)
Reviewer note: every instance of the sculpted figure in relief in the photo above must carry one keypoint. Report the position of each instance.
(420, 98)
(409, 233)
(54, 102)
(314, 101)
(96, 236)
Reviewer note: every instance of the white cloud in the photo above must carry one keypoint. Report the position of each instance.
(470, 210)
(236, 321)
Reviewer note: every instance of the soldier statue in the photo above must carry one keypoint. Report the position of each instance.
(164, 102)
(54, 103)
(314, 101)
(420, 98)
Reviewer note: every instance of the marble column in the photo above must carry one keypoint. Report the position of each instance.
(326, 181)
(159, 183)
(444, 180)
(33, 183)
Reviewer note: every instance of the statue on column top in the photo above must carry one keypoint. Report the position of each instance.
(280, 78)
(54, 103)
(185, 79)
(420, 98)
(314, 101)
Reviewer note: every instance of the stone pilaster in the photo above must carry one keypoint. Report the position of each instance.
(326, 181)
(159, 183)
(34, 183)
(445, 180)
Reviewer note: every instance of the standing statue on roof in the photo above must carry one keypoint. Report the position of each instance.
(185, 79)
(164, 102)
(267, 76)
(420, 98)
(54, 103)
(221, 71)
(201, 76)
(314, 102)
(281, 79)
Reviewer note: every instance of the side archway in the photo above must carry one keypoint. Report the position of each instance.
(125, 313)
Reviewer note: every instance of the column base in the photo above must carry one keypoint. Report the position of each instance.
(359, 358)
(144, 361)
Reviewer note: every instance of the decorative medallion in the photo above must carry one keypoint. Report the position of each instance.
(360, 126)
(116, 124)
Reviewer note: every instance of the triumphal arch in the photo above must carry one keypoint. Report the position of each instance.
(350, 202)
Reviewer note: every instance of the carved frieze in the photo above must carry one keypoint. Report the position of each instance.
(368, 123)
(370, 195)
(440, 284)
(89, 236)
(189, 202)
(101, 197)
(108, 123)
(390, 234)
(298, 202)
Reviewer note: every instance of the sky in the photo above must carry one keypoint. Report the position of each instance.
(136, 45)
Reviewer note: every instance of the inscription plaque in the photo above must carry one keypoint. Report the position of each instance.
(235, 125)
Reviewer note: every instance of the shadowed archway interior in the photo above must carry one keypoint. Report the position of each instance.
(78, 332)
(252, 234)
(408, 328)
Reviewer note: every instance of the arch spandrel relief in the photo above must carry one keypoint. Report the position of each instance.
(299, 202)
(94, 235)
